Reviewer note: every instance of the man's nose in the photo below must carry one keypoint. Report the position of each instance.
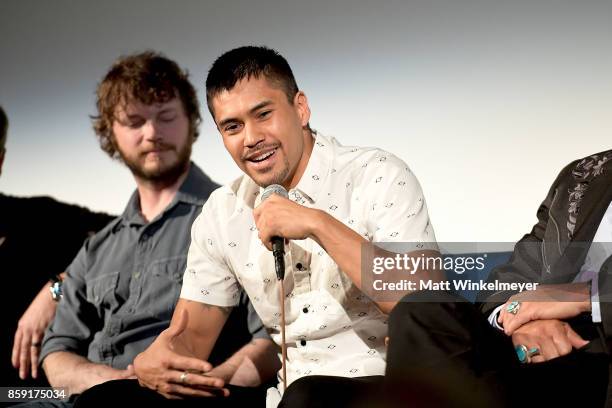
(151, 130)
(252, 136)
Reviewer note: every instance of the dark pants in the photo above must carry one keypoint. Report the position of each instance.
(321, 391)
(128, 393)
(447, 352)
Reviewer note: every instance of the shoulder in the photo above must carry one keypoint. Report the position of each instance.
(226, 197)
(585, 169)
(373, 167)
(95, 241)
(592, 165)
(360, 159)
(198, 186)
(227, 201)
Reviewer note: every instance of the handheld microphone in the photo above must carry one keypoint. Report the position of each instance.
(278, 250)
(278, 243)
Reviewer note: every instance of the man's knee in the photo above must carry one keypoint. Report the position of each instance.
(427, 307)
(302, 392)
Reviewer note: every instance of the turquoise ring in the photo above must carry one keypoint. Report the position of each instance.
(513, 307)
(524, 354)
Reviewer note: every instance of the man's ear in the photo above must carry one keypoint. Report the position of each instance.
(300, 101)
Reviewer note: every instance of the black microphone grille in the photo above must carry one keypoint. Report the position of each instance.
(274, 189)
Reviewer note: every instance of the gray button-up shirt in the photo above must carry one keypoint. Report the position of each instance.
(122, 287)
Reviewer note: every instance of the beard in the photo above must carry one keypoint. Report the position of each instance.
(164, 172)
(269, 177)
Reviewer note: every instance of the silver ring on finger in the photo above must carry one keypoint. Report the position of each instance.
(183, 377)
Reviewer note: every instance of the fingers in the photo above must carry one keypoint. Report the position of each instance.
(538, 358)
(548, 348)
(511, 322)
(26, 350)
(574, 338)
(182, 364)
(180, 384)
(16, 348)
(266, 239)
(553, 338)
(545, 346)
(204, 382)
(193, 379)
(24, 357)
(34, 354)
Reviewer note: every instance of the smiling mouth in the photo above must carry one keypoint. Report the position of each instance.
(262, 157)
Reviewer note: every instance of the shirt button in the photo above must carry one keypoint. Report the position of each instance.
(305, 310)
(298, 266)
(302, 342)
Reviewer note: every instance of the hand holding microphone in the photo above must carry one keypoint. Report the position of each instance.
(278, 218)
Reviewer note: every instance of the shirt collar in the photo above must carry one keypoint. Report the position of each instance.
(195, 190)
(318, 168)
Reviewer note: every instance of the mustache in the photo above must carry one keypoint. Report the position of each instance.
(159, 146)
(256, 150)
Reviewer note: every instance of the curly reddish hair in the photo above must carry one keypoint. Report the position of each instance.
(148, 77)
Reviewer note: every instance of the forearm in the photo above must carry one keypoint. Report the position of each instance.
(252, 365)
(345, 246)
(204, 323)
(73, 372)
(340, 242)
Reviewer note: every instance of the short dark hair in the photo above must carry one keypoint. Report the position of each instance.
(249, 62)
(3, 129)
(148, 77)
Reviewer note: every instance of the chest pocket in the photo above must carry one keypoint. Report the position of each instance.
(163, 286)
(101, 291)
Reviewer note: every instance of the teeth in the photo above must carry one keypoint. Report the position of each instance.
(263, 156)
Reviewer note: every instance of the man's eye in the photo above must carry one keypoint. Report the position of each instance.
(233, 128)
(265, 114)
(167, 119)
(135, 124)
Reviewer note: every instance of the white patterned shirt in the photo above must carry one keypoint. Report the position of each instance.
(331, 327)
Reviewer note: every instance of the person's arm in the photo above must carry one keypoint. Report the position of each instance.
(396, 213)
(559, 302)
(540, 320)
(278, 216)
(254, 364)
(175, 363)
(30, 331)
(77, 374)
(526, 262)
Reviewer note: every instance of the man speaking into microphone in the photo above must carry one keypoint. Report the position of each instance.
(339, 198)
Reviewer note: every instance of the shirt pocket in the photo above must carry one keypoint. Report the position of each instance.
(101, 290)
(163, 286)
